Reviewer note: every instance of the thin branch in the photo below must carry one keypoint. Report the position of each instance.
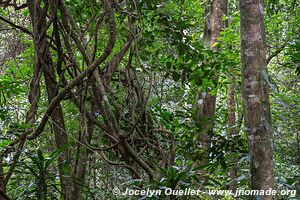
(23, 29)
(278, 51)
(55, 101)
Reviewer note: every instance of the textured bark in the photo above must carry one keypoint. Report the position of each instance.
(43, 61)
(82, 156)
(256, 95)
(232, 130)
(206, 103)
(213, 22)
(76, 81)
(58, 127)
(205, 121)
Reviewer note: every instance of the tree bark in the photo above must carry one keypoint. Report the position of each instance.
(255, 91)
(232, 130)
(58, 127)
(82, 156)
(206, 102)
(43, 61)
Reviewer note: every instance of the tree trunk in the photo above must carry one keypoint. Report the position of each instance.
(58, 127)
(206, 103)
(255, 91)
(82, 156)
(43, 61)
(232, 130)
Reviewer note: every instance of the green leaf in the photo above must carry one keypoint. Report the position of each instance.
(175, 76)
(4, 143)
(40, 155)
(55, 154)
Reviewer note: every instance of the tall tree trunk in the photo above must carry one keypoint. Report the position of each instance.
(43, 61)
(82, 155)
(232, 129)
(58, 127)
(206, 103)
(255, 91)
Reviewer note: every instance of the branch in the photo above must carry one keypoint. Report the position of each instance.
(25, 30)
(5, 4)
(278, 51)
(56, 100)
(135, 156)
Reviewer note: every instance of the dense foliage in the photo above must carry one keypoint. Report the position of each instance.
(123, 79)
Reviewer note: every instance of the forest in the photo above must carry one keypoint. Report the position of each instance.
(149, 99)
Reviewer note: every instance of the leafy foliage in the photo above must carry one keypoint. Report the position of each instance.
(146, 133)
